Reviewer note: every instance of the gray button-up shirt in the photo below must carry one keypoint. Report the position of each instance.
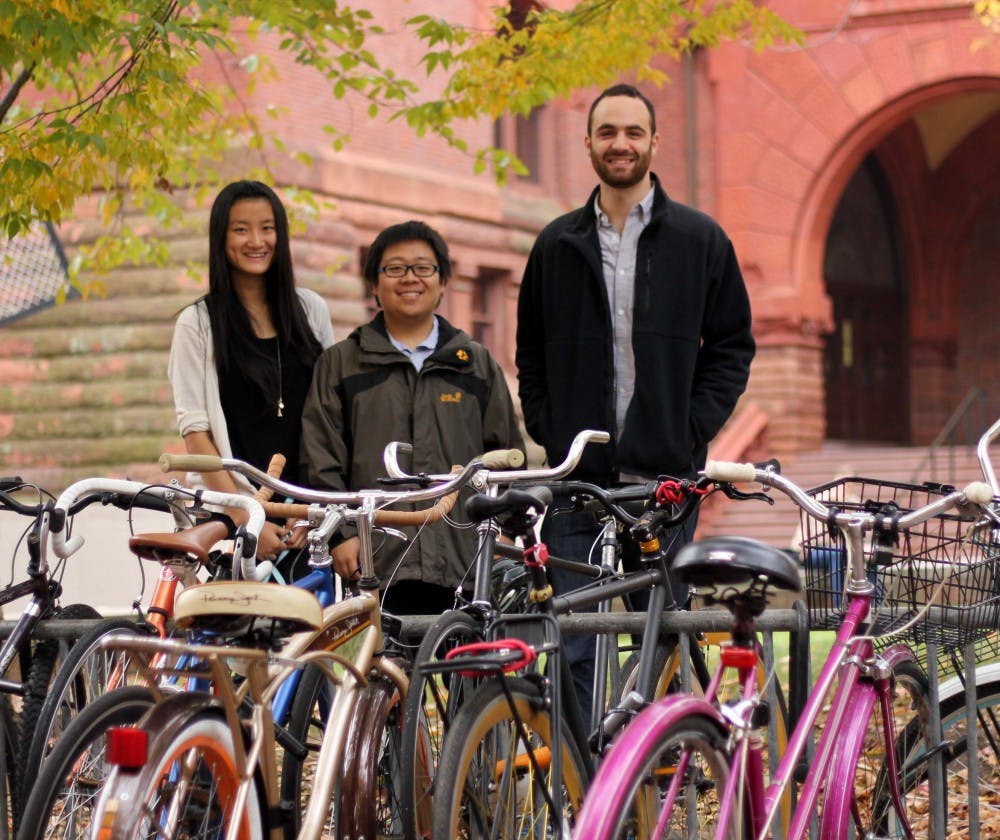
(618, 256)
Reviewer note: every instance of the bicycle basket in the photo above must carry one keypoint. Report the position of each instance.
(942, 575)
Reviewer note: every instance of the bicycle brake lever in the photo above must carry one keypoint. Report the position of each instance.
(732, 493)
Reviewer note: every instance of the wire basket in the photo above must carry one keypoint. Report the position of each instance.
(939, 581)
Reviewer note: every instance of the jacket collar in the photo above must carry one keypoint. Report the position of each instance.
(453, 349)
(586, 220)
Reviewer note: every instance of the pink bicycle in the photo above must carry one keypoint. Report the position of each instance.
(694, 767)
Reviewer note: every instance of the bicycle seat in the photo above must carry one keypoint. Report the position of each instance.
(191, 544)
(229, 607)
(736, 561)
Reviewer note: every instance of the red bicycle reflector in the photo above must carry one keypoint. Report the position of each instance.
(738, 657)
(126, 746)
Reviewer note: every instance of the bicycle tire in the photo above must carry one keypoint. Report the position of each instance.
(476, 792)
(8, 772)
(186, 729)
(625, 797)
(431, 703)
(86, 674)
(65, 790)
(911, 750)
(44, 658)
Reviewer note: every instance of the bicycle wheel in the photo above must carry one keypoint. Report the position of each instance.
(662, 778)
(8, 771)
(189, 783)
(64, 793)
(913, 756)
(487, 784)
(86, 674)
(307, 724)
(431, 704)
(45, 661)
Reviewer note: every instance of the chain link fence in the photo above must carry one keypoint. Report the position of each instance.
(33, 271)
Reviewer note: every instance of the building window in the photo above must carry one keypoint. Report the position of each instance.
(488, 309)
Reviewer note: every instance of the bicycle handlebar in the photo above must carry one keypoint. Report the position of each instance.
(496, 459)
(63, 547)
(507, 474)
(976, 493)
(983, 452)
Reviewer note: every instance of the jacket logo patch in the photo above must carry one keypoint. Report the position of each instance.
(452, 398)
(463, 356)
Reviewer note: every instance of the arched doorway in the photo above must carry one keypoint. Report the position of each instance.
(864, 357)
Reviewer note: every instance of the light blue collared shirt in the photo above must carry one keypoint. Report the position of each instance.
(419, 354)
(618, 257)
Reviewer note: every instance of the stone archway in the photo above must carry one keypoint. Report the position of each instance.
(942, 186)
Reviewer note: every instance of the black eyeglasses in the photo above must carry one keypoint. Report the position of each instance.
(397, 270)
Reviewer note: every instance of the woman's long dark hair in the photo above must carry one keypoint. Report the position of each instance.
(233, 337)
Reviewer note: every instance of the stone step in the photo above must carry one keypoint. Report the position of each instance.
(48, 342)
(109, 424)
(92, 368)
(112, 395)
(95, 456)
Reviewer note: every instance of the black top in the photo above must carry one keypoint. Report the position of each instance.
(256, 431)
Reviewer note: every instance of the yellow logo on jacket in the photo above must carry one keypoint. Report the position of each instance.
(451, 398)
(462, 355)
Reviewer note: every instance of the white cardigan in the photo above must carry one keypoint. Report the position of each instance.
(194, 380)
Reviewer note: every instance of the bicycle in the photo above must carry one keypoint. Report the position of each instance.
(688, 764)
(60, 793)
(37, 662)
(513, 760)
(234, 730)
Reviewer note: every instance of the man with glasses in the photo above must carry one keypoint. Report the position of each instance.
(407, 375)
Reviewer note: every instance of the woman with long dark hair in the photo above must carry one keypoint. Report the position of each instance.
(242, 355)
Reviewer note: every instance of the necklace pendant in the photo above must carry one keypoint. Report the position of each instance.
(281, 407)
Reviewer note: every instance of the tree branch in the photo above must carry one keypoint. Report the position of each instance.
(15, 89)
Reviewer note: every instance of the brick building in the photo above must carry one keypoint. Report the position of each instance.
(858, 176)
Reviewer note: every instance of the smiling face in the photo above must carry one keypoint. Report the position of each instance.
(620, 142)
(251, 237)
(409, 301)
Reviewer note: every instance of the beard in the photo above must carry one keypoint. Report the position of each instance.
(617, 178)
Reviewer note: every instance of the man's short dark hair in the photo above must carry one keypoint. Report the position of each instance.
(623, 90)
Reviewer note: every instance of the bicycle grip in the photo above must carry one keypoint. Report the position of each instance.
(730, 471)
(170, 462)
(503, 459)
(979, 493)
(274, 469)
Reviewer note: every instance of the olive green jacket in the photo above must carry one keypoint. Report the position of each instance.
(365, 394)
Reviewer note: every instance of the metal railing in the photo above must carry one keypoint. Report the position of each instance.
(975, 397)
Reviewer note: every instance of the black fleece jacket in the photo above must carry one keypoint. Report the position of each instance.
(690, 337)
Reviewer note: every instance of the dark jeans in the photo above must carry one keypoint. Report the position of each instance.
(575, 535)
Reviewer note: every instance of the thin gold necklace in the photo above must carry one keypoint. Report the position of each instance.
(281, 390)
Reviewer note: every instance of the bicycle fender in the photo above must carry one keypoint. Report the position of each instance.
(839, 782)
(647, 726)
